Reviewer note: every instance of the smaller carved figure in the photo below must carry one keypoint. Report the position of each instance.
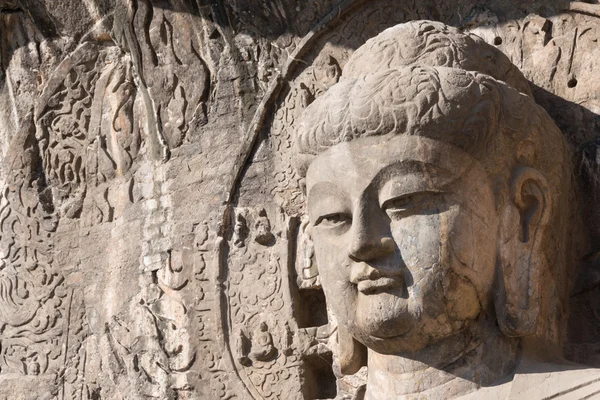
(240, 231)
(330, 73)
(306, 97)
(262, 344)
(288, 339)
(33, 368)
(263, 233)
(242, 345)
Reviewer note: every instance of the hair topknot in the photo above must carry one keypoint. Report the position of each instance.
(428, 79)
(410, 100)
(429, 43)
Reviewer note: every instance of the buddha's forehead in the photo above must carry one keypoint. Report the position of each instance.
(360, 162)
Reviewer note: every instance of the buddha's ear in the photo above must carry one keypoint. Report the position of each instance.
(351, 353)
(523, 221)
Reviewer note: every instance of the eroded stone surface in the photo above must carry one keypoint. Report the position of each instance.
(155, 238)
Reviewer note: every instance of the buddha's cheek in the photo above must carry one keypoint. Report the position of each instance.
(462, 301)
(334, 272)
(469, 252)
(419, 240)
(440, 293)
(468, 263)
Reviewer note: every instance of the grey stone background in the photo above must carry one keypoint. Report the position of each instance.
(149, 208)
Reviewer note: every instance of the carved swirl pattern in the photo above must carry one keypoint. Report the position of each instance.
(86, 130)
(41, 323)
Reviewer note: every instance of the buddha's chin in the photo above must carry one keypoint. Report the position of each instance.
(383, 316)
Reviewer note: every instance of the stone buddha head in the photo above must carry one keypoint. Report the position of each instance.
(438, 194)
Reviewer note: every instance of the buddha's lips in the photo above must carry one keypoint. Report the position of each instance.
(369, 286)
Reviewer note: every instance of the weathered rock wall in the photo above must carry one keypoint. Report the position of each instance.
(149, 208)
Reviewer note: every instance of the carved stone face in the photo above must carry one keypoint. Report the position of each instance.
(405, 232)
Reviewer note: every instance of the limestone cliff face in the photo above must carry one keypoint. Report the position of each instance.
(152, 240)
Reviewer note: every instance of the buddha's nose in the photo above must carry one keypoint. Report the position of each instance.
(371, 239)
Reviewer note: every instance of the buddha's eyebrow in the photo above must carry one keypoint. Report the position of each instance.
(405, 167)
(325, 189)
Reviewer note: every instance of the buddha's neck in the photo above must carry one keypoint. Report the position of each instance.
(451, 368)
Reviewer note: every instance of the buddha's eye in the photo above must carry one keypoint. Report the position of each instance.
(400, 202)
(333, 220)
(414, 202)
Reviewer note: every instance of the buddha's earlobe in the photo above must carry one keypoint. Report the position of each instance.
(523, 223)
